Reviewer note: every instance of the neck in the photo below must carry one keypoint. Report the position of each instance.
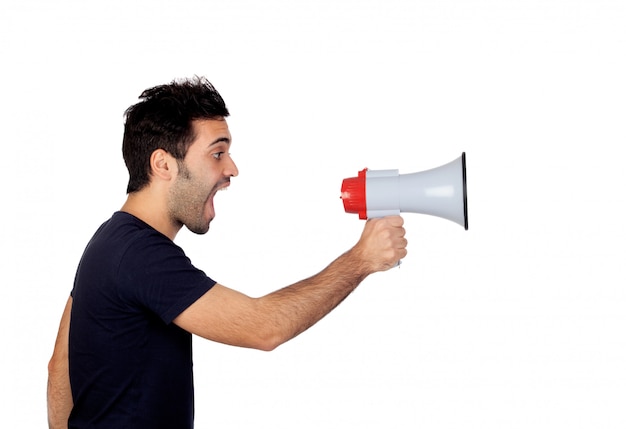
(153, 211)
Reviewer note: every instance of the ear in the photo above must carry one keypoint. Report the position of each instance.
(162, 165)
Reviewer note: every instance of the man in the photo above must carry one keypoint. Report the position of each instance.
(123, 356)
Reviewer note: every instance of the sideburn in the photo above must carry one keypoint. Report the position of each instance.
(183, 171)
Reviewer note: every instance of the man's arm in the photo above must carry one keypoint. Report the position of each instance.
(230, 317)
(60, 401)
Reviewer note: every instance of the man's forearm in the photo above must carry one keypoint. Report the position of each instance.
(294, 309)
(60, 402)
(59, 392)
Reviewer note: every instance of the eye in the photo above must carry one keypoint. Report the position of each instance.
(218, 155)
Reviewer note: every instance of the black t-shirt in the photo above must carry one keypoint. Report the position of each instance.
(130, 366)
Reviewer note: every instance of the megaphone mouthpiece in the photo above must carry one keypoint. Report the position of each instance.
(353, 194)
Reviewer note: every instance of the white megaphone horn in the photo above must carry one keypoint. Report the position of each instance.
(440, 192)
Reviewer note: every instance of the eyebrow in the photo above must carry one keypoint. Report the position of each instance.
(220, 140)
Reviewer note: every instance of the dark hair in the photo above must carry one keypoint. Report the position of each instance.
(163, 119)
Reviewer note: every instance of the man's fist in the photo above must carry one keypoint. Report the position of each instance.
(382, 244)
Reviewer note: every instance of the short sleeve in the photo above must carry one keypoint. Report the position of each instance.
(157, 275)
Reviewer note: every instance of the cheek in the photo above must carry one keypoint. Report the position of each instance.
(209, 179)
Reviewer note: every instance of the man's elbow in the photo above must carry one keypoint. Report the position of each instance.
(268, 344)
(58, 363)
(271, 338)
(53, 365)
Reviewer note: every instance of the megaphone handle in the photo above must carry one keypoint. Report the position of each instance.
(383, 213)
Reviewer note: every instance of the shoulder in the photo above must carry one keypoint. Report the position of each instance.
(131, 233)
(125, 244)
(142, 245)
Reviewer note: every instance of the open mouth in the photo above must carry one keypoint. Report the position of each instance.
(223, 185)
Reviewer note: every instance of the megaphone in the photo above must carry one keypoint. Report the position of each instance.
(440, 192)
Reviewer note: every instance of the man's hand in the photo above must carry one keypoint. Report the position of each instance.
(382, 243)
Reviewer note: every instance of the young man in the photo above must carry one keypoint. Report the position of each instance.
(122, 357)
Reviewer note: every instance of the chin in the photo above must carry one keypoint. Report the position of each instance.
(199, 228)
(199, 231)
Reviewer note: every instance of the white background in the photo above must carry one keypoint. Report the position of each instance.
(517, 323)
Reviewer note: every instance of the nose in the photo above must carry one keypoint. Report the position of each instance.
(231, 169)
